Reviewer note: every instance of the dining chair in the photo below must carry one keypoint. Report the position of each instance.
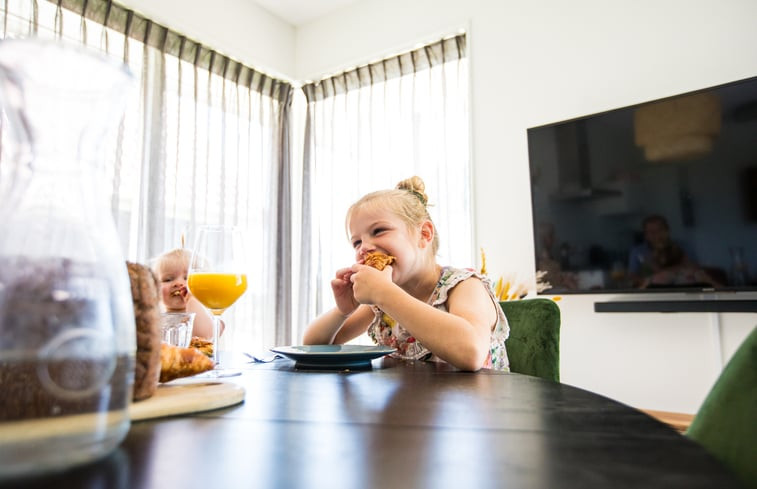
(726, 423)
(533, 346)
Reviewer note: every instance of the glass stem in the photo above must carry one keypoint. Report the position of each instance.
(216, 334)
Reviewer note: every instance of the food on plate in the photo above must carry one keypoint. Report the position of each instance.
(145, 298)
(202, 344)
(176, 362)
(378, 260)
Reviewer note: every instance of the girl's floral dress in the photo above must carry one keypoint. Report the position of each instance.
(383, 330)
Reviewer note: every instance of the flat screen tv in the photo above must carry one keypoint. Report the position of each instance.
(660, 196)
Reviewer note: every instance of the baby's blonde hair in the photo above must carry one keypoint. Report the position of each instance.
(177, 255)
(408, 201)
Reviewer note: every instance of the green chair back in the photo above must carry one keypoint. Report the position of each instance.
(533, 347)
(726, 423)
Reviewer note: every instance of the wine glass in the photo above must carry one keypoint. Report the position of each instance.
(217, 276)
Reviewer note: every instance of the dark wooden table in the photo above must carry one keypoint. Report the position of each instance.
(402, 425)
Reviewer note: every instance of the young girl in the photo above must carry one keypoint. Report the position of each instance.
(426, 311)
(171, 269)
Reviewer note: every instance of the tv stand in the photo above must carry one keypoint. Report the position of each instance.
(652, 305)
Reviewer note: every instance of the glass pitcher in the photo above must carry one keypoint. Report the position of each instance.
(67, 333)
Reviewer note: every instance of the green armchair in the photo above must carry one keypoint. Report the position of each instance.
(533, 347)
(726, 423)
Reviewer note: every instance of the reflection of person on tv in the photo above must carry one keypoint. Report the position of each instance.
(661, 262)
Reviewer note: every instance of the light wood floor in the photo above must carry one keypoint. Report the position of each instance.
(679, 421)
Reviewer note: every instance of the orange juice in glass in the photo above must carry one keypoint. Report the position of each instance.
(217, 276)
(217, 291)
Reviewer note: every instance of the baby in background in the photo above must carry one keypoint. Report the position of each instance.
(171, 269)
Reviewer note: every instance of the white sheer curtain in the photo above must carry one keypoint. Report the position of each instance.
(368, 129)
(201, 142)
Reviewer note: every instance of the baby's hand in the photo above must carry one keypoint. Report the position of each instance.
(184, 293)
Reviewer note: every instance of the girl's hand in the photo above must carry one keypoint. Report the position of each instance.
(341, 286)
(367, 282)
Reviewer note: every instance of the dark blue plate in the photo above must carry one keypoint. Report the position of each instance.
(333, 356)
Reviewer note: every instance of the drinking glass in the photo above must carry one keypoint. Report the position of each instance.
(218, 276)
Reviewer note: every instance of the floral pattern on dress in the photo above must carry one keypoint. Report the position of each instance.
(384, 330)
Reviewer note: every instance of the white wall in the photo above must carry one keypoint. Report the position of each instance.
(535, 62)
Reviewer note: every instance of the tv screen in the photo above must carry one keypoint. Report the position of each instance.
(660, 196)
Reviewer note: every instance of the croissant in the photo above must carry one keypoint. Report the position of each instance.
(178, 362)
(202, 344)
(378, 260)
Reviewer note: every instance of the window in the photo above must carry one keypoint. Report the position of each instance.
(198, 144)
(205, 140)
(370, 128)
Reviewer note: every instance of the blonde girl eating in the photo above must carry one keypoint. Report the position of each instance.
(424, 310)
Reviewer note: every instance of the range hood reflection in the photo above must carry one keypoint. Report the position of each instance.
(575, 179)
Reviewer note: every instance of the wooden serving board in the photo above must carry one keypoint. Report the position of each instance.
(187, 396)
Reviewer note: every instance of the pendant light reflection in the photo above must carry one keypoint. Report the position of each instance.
(679, 128)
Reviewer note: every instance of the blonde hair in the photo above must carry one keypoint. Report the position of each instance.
(177, 255)
(408, 201)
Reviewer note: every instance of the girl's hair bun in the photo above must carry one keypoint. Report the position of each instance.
(415, 186)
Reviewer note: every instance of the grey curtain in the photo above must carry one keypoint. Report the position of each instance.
(405, 64)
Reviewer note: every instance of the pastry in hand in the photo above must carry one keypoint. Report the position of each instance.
(202, 344)
(378, 260)
(176, 362)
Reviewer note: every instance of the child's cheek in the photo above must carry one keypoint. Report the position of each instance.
(165, 293)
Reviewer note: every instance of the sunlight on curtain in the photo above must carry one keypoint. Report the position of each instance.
(200, 143)
(368, 129)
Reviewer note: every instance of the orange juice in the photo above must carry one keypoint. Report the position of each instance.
(217, 291)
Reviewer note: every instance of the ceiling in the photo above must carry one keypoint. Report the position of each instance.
(298, 12)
